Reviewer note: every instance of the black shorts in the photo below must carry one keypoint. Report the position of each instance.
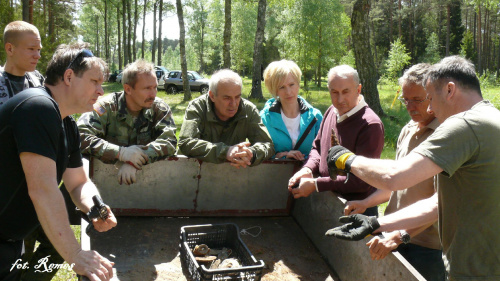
(11, 252)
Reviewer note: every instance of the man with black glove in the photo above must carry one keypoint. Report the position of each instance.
(464, 154)
(339, 161)
(356, 227)
(351, 123)
(420, 246)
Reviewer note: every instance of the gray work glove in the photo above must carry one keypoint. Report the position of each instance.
(126, 174)
(357, 227)
(133, 155)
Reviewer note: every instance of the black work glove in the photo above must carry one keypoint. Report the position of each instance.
(339, 161)
(357, 227)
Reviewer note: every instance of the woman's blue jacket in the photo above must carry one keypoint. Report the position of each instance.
(271, 117)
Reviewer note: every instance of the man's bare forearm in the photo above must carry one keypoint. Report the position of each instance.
(394, 174)
(378, 197)
(49, 204)
(423, 212)
(80, 187)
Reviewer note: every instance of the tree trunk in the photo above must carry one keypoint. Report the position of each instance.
(144, 29)
(30, 12)
(400, 15)
(410, 28)
(226, 49)
(52, 23)
(320, 55)
(129, 30)
(120, 65)
(160, 16)
(202, 46)
(363, 55)
(479, 42)
(97, 47)
(485, 39)
(492, 46)
(496, 52)
(256, 92)
(466, 16)
(182, 44)
(448, 27)
(44, 7)
(136, 19)
(124, 24)
(373, 32)
(474, 29)
(26, 10)
(390, 20)
(106, 33)
(153, 51)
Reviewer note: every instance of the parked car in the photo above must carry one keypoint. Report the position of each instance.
(112, 76)
(161, 72)
(119, 77)
(173, 82)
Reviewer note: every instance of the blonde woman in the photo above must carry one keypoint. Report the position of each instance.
(291, 121)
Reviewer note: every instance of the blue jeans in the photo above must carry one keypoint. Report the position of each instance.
(428, 262)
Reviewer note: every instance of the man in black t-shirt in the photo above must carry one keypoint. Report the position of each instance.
(40, 147)
(22, 45)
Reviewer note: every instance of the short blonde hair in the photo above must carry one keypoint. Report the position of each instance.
(276, 73)
(15, 29)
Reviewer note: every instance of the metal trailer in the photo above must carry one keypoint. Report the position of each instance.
(287, 234)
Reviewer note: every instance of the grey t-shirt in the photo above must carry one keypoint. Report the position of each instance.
(466, 146)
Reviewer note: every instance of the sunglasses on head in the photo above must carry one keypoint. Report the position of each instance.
(84, 53)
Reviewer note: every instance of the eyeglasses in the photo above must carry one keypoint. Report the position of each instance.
(415, 102)
(84, 53)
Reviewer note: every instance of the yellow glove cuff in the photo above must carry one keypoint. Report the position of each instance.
(340, 163)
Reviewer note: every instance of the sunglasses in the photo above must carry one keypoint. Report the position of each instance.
(84, 53)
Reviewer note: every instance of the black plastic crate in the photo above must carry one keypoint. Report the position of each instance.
(218, 236)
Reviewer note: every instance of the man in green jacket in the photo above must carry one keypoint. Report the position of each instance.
(217, 125)
(132, 127)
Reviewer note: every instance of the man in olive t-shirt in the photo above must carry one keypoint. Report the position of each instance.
(464, 154)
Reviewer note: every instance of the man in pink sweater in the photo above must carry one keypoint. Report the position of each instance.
(358, 128)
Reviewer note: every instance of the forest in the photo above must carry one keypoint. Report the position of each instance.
(381, 38)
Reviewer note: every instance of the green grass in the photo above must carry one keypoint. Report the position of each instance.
(396, 117)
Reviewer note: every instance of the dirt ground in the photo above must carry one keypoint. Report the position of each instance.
(147, 248)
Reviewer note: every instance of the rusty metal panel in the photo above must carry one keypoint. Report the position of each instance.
(259, 189)
(163, 185)
(351, 260)
(183, 186)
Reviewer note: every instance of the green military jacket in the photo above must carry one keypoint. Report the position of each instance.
(204, 136)
(110, 126)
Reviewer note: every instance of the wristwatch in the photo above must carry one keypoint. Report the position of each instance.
(405, 237)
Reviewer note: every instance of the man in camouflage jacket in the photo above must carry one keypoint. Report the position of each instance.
(216, 126)
(133, 127)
